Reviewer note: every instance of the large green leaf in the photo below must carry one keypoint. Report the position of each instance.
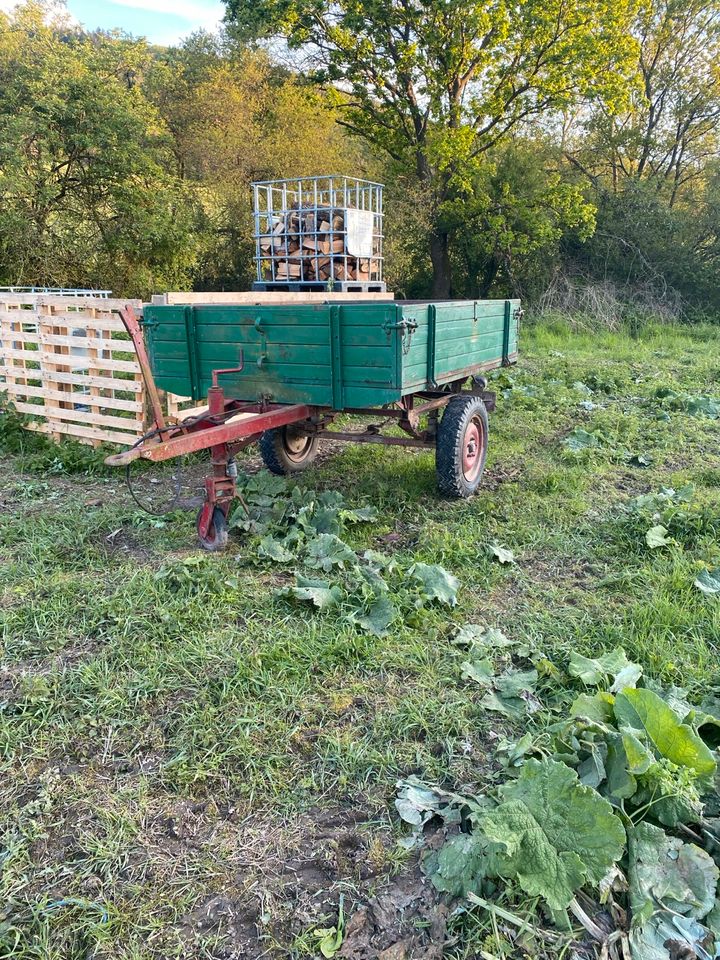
(481, 638)
(579, 439)
(598, 707)
(481, 671)
(327, 551)
(653, 720)
(461, 864)
(512, 693)
(317, 592)
(663, 868)
(377, 618)
(672, 886)
(501, 554)
(620, 784)
(437, 583)
(600, 670)
(274, 550)
(657, 536)
(703, 407)
(688, 938)
(709, 581)
(556, 834)
(365, 514)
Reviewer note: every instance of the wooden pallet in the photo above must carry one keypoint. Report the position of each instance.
(67, 363)
(267, 297)
(342, 286)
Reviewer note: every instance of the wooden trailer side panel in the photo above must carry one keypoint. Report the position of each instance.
(338, 355)
(454, 339)
(367, 367)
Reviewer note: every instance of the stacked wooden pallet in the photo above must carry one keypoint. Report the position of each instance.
(311, 245)
(67, 364)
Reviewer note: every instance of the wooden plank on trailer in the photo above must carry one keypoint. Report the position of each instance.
(83, 380)
(90, 433)
(109, 324)
(15, 331)
(268, 296)
(11, 332)
(64, 302)
(48, 367)
(96, 342)
(92, 332)
(122, 366)
(108, 383)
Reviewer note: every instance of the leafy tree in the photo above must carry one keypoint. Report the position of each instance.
(85, 195)
(438, 84)
(669, 129)
(507, 231)
(651, 166)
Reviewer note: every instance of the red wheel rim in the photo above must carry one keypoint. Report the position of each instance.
(472, 453)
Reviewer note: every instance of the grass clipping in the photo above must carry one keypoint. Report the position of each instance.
(610, 816)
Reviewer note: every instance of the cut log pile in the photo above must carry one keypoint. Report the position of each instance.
(311, 246)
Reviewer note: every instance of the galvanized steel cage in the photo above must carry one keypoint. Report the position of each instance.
(319, 231)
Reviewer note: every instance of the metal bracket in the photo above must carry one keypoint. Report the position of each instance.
(408, 323)
(432, 327)
(506, 335)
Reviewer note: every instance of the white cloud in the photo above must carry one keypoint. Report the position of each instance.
(194, 11)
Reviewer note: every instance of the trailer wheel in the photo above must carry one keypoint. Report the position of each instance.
(216, 537)
(287, 449)
(461, 447)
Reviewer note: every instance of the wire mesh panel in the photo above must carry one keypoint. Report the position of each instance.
(319, 231)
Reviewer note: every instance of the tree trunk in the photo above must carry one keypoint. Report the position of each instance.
(440, 256)
(489, 274)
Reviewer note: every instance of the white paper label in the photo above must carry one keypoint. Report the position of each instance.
(359, 225)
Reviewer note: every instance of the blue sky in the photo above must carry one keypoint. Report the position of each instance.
(161, 21)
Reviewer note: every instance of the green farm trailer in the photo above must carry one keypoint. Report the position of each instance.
(281, 374)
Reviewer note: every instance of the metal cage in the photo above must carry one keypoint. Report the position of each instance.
(319, 232)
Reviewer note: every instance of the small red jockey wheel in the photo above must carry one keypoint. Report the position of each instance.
(473, 446)
(212, 527)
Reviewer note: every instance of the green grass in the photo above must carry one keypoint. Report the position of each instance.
(171, 732)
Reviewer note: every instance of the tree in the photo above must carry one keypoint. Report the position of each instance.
(507, 232)
(86, 198)
(669, 129)
(437, 84)
(651, 166)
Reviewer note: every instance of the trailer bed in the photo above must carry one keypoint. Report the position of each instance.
(335, 355)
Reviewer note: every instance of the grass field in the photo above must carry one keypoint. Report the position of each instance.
(195, 767)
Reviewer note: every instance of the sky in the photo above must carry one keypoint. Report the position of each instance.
(161, 21)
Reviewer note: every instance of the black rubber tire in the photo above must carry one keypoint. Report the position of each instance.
(458, 417)
(277, 455)
(217, 537)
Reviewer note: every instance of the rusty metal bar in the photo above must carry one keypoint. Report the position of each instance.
(373, 438)
(202, 439)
